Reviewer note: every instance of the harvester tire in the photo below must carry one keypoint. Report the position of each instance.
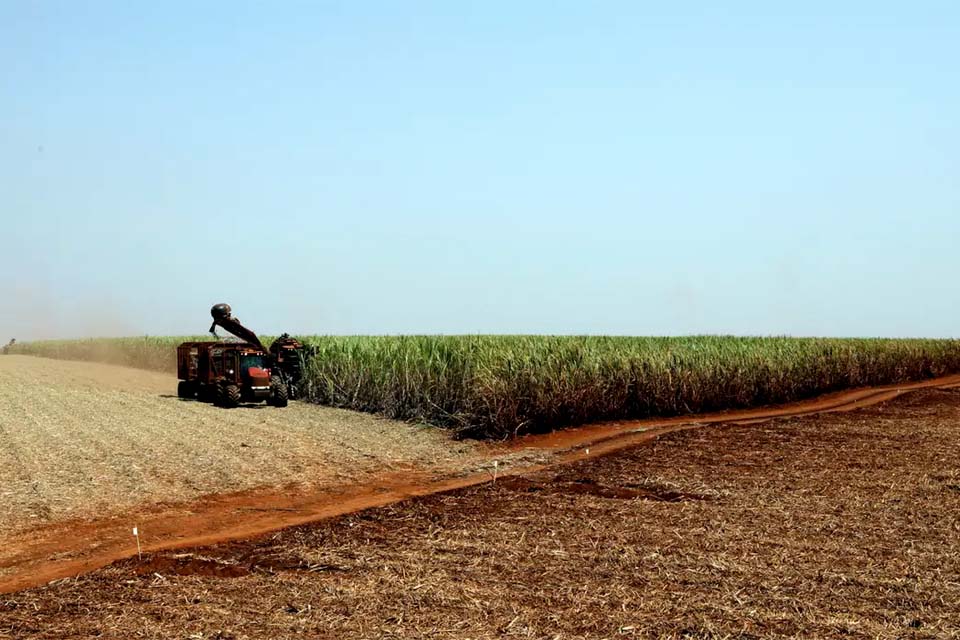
(278, 393)
(229, 396)
(185, 389)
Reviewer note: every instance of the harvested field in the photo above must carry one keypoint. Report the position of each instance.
(78, 439)
(845, 524)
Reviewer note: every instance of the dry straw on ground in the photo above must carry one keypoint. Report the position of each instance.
(845, 525)
(78, 439)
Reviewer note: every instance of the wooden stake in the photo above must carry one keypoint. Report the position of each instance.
(136, 534)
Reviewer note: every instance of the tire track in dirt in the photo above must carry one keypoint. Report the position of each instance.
(60, 550)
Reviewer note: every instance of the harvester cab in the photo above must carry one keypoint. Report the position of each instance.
(290, 360)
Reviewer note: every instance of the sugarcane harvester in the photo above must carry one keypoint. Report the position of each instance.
(228, 373)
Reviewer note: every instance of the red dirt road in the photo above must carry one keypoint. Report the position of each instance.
(70, 548)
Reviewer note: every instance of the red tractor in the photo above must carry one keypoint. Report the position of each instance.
(227, 374)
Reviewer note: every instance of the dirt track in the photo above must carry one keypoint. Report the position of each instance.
(41, 553)
(824, 526)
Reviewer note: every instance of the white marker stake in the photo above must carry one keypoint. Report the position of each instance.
(136, 534)
(496, 463)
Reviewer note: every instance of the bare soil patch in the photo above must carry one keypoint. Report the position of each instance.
(845, 524)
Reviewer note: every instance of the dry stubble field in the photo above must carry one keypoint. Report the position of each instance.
(78, 439)
(840, 525)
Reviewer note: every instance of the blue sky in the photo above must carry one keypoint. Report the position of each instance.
(480, 167)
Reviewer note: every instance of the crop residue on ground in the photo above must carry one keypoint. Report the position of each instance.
(820, 526)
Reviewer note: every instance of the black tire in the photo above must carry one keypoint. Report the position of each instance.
(185, 389)
(207, 393)
(229, 396)
(279, 395)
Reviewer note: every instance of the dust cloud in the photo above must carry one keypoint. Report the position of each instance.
(32, 313)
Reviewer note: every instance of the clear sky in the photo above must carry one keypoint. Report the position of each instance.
(480, 167)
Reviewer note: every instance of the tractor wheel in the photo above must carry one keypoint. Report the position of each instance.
(278, 393)
(229, 396)
(185, 389)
